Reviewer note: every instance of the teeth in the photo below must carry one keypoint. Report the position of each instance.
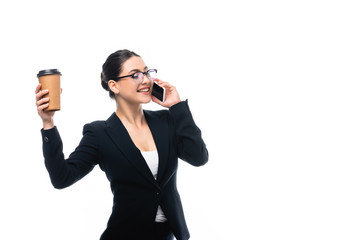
(144, 90)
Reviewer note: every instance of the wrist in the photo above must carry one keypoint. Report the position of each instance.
(48, 124)
(176, 102)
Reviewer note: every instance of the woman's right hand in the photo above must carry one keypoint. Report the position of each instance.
(41, 104)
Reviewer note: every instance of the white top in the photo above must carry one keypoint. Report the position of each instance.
(152, 160)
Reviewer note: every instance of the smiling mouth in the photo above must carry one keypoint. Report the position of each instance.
(144, 90)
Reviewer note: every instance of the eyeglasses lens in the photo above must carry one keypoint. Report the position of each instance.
(139, 76)
(151, 74)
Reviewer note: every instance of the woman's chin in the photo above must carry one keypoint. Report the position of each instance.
(146, 100)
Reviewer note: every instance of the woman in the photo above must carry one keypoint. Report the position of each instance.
(137, 149)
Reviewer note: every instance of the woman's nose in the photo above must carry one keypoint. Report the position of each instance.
(146, 79)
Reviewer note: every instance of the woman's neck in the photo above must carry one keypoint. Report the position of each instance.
(130, 114)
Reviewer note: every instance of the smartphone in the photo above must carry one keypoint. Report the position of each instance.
(158, 92)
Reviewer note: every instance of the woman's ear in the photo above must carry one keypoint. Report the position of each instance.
(113, 86)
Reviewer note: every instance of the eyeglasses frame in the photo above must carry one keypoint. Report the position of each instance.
(133, 75)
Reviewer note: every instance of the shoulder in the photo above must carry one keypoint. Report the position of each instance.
(159, 114)
(181, 108)
(97, 124)
(94, 127)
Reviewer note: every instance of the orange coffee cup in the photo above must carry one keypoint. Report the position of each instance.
(50, 79)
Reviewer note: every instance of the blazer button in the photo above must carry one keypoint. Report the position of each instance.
(46, 139)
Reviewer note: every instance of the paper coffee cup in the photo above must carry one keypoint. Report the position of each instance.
(50, 79)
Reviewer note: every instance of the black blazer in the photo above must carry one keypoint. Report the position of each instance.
(137, 194)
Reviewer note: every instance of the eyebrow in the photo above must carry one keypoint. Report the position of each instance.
(138, 70)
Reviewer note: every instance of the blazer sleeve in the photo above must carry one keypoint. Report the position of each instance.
(64, 173)
(190, 145)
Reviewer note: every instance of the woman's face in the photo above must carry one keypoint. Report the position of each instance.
(130, 89)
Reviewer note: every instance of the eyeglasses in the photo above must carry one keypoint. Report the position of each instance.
(139, 76)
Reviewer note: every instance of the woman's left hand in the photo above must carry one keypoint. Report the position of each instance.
(171, 94)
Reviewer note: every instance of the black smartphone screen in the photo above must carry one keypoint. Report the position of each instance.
(158, 92)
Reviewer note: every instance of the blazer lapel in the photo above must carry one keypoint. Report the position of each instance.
(121, 138)
(159, 129)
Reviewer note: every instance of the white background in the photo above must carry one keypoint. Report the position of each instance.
(273, 85)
